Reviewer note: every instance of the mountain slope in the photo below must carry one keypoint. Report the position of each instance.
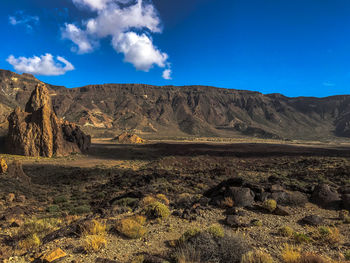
(194, 110)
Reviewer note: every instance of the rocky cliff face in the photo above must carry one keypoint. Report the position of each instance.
(194, 110)
(38, 132)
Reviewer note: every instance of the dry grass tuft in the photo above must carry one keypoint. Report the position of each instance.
(257, 256)
(93, 243)
(290, 254)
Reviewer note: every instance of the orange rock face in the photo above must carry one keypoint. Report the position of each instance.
(3, 166)
(38, 132)
(53, 255)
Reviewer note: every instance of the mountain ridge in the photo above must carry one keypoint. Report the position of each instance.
(186, 110)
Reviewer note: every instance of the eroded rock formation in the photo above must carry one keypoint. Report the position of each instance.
(38, 132)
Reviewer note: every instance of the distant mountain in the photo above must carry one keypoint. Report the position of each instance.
(188, 110)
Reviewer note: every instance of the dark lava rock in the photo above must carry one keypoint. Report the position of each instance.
(288, 198)
(241, 197)
(346, 201)
(326, 197)
(312, 220)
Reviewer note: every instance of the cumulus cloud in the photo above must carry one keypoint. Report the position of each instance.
(79, 37)
(167, 74)
(120, 20)
(44, 65)
(139, 50)
(21, 18)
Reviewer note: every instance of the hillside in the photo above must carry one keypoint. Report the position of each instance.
(189, 110)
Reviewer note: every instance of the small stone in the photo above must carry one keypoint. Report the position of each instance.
(53, 255)
(281, 211)
(10, 197)
(233, 221)
(21, 199)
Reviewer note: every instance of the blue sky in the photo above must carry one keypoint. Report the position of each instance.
(293, 47)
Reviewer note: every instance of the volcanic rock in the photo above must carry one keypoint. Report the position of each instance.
(312, 220)
(128, 138)
(38, 132)
(326, 197)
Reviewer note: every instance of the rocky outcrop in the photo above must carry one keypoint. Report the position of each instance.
(128, 138)
(38, 132)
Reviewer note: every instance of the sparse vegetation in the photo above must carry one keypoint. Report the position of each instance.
(301, 238)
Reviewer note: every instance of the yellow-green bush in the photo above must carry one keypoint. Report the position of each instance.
(157, 210)
(216, 230)
(189, 234)
(270, 205)
(301, 238)
(286, 231)
(257, 256)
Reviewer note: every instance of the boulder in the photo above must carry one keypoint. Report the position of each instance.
(326, 197)
(241, 196)
(129, 138)
(3, 166)
(289, 198)
(312, 220)
(38, 132)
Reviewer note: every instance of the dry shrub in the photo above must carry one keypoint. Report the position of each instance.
(187, 254)
(94, 227)
(290, 254)
(130, 228)
(29, 243)
(93, 243)
(216, 230)
(257, 256)
(210, 248)
(163, 199)
(329, 235)
(312, 258)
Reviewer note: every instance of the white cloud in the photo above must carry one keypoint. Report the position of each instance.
(119, 19)
(167, 74)
(43, 65)
(139, 51)
(79, 37)
(20, 18)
